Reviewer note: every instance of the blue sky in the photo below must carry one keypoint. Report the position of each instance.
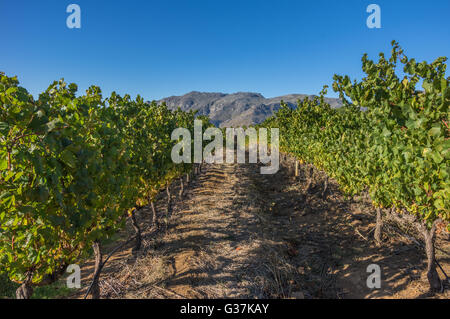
(171, 47)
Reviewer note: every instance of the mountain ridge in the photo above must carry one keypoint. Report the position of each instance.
(235, 109)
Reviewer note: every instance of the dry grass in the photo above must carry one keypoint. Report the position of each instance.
(240, 234)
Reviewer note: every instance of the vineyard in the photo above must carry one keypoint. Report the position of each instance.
(76, 171)
(390, 141)
(72, 170)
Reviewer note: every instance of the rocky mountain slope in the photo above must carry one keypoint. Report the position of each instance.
(237, 109)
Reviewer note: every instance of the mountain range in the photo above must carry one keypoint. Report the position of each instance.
(236, 109)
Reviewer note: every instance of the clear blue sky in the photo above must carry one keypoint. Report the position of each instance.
(171, 47)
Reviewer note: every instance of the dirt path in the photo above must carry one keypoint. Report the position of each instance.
(212, 246)
(240, 234)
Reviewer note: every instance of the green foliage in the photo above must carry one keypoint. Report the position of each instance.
(7, 287)
(57, 289)
(72, 168)
(388, 139)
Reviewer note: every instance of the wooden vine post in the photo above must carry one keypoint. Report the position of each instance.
(154, 218)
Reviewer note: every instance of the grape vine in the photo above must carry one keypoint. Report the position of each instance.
(389, 139)
(72, 169)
